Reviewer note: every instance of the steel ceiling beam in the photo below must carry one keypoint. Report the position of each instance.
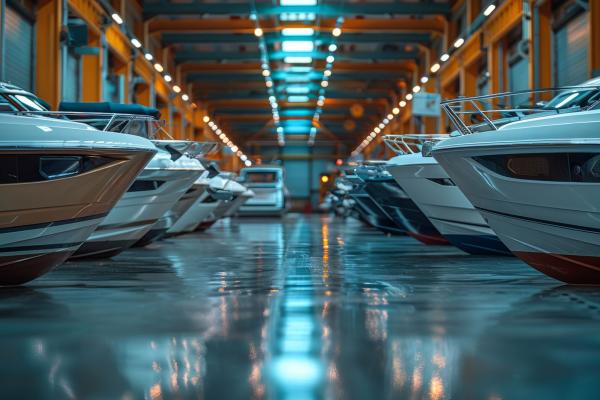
(396, 38)
(191, 56)
(288, 77)
(163, 8)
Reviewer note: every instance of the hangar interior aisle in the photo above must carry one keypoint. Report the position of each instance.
(300, 199)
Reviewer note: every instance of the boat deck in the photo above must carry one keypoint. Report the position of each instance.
(304, 307)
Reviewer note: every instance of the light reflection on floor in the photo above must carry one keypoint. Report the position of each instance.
(307, 308)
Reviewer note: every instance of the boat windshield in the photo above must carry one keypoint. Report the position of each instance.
(573, 98)
(260, 177)
(490, 112)
(28, 102)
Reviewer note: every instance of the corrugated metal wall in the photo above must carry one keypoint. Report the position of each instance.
(571, 42)
(19, 49)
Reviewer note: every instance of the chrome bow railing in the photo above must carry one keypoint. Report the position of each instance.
(490, 112)
(132, 124)
(411, 143)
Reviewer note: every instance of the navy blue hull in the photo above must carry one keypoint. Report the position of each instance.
(479, 244)
(405, 214)
(375, 216)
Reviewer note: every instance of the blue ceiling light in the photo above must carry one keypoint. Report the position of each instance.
(298, 2)
(297, 89)
(297, 32)
(287, 16)
(297, 78)
(297, 60)
(298, 99)
(299, 69)
(297, 46)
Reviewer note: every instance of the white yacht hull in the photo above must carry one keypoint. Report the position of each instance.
(552, 225)
(136, 213)
(443, 203)
(193, 216)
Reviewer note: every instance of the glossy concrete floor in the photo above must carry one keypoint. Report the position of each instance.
(304, 308)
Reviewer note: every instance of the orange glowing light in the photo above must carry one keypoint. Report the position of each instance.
(324, 179)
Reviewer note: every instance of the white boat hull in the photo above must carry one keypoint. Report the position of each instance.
(137, 212)
(552, 225)
(444, 204)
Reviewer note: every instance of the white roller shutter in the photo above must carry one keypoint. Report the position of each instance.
(571, 43)
(18, 68)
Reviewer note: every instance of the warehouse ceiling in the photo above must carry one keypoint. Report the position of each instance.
(298, 70)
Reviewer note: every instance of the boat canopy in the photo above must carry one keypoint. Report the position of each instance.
(109, 107)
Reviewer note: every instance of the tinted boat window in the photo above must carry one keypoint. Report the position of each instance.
(260, 177)
(35, 168)
(59, 167)
(560, 167)
(143, 185)
(5, 105)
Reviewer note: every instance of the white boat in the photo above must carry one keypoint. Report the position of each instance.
(161, 185)
(197, 212)
(436, 195)
(270, 193)
(534, 174)
(187, 169)
(157, 190)
(225, 194)
(58, 181)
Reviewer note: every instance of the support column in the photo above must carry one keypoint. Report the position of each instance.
(594, 25)
(48, 49)
(92, 71)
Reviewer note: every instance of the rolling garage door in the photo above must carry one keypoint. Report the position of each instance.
(18, 68)
(571, 41)
(518, 75)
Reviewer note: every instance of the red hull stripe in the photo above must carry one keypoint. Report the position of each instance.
(566, 268)
(428, 239)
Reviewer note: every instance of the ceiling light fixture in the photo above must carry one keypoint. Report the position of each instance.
(490, 9)
(117, 18)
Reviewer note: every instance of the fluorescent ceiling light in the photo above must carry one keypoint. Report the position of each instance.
(136, 43)
(298, 89)
(287, 16)
(435, 67)
(258, 32)
(117, 18)
(298, 2)
(297, 99)
(490, 9)
(168, 78)
(459, 42)
(332, 47)
(297, 31)
(424, 79)
(303, 45)
(148, 56)
(299, 69)
(445, 57)
(297, 60)
(330, 59)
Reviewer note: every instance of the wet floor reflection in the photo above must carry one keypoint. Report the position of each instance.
(305, 308)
